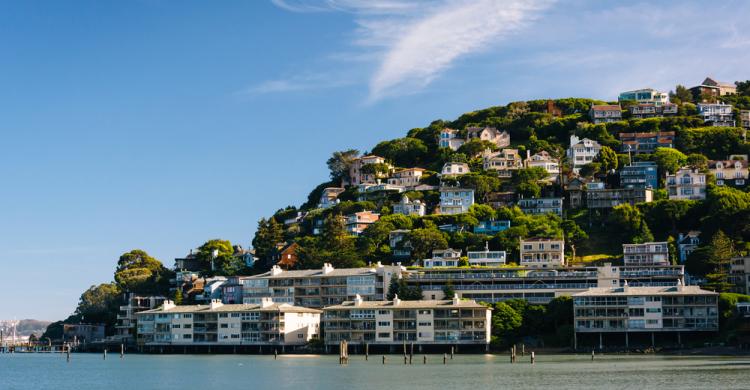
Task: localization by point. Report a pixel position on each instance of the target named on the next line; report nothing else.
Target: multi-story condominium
(357, 223)
(455, 200)
(648, 253)
(537, 286)
(126, 317)
(739, 274)
(646, 142)
(542, 252)
(716, 114)
(629, 310)
(491, 134)
(491, 227)
(733, 171)
(687, 183)
(543, 160)
(454, 322)
(399, 244)
(541, 205)
(408, 178)
(443, 258)
(687, 243)
(745, 118)
(605, 113)
(453, 169)
(648, 110)
(329, 197)
(640, 174)
(486, 258)
(449, 138)
(504, 162)
(358, 174)
(220, 324)
(598, 197)
(321, 287)
(409, 207)
(711, 87)
(646, 95)
(582, 152)
(85, 333)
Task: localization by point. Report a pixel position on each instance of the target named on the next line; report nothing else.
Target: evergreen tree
(448, 290)
(178, 296)
(721, 252)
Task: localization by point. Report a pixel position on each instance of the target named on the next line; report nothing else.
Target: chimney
(357, 300)
(379, 265)
(215, 304)
(456, 300)
(167, 305)
(327, 268)
(275, 270)
(396, 301)
(266, 301)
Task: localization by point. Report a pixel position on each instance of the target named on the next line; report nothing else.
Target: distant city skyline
(159, 125)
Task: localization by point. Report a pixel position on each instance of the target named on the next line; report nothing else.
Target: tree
(681, 95)
(267, 236)
(721, 252)
(139, 273)
(506, 323)
(573, 234)
(424, 241)
(448, 290)
(100, 304)
(697, 160)
(398, 287)
(628, 221)
(608, 159)
(339, 164)
(178, 296)
(404, 152)
(743, 87)
(475, 147)
(669, 159)
(213, 254)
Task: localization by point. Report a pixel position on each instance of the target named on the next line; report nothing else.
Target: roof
(423, 304)
(282, 307)
(727, 163)
(307, 273)
(637, 291)
(541, 239)
(606, 107)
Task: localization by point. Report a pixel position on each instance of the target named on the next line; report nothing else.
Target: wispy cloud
(302, 82)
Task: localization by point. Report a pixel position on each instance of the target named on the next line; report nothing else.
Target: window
(224, 326)
(235, 315)
(425, 312)
(175, 326)
(384, 323)
(188, 326)
(384, 335)
(223, 315)
(187, 336)
(425, 324)
(188, 315)
(300, 335)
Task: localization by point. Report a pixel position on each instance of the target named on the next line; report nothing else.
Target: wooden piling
(275, 354)
(367, 350)
(383, 359)
(424, 360)
(122, 351)
(523, 350)
(592, 355)
(445, 358)
(452, 352)
(68, 356)
(105, 354)
(533, 358)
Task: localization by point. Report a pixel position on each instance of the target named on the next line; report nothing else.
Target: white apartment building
(455, 321)
(716, 114)
(220, 324)
(409, 207)
(504, 162)
(490, 134)
(486, 258)
(542, 252)
(449, 138)
(453, 169)
(455, 200)
(443, 258)
(686, 183)
(648, 253)
(582, 152)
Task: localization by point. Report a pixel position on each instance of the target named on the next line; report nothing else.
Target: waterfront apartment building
(450, 138)
(648, 253)
(598, 197)
(541, 206)
(126, 317)
(542, 252)
(716, 114)
(732, 171)
(455, 200)
(220, 324)
(630, 310)
(409, 207)
(319, 287)
(504, 162)
(537, 286)
(443, 258)
(605, 113)
(686, 183)
(582, 152)
(426, 322)
(646, 142)
(640, 174)
(646, 95)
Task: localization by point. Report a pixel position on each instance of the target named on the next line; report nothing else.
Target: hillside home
(329, 197)
(500, 199)
(646, 95)
(408, 178)
(711, 87)
(357, 223)
(491, 227)
(582, 152)
(649, 110)
(543, 160)
(399, 244)
(409, 207)
(356, 174)
(640, 174)
(716, 114)
(450, 138)
(542, 252)
(605, 113)
(646, 142)
(443, 258)
(687, 243)
(733, 171)
(646, 254)
(686, 183)
(454, 169)
(504, 162)
(599, 197)
(745, 119)
(490, 134)
(739, 274)
(455, 200)
(486, 258)
(541, 205)
(576, 189)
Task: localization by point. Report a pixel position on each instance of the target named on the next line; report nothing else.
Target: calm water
(89, 371)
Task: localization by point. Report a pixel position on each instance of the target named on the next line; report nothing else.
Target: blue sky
(161, 124)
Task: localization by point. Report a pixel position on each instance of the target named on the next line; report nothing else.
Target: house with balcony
(407, 178)
(357, 223)
(650, 311)
(600, 197)
(648, 253)
(329, 197)
(125, 330)
(217, 324)
(686, 183)
(491, 227)
(545, 161)
(712, 87)
(443, 258)
(687, 243)
(398, 241)
(646, 142)
(645, 96)
(540, 252)
(409, 207)
(716, 114)
(605, 113)
(739, 274)
(732, 172)
(454, 200)
(536, 206)
(489, 134)
(639, 174)
(454, 169)
(650, 110)
(745, 119)
(465, 323)
(451, 139)
(504, 162)
(582, 152)
(368, 169)
(486, 258)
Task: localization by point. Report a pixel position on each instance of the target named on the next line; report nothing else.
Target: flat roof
(421, 304)
(224, 308)
(637, 291)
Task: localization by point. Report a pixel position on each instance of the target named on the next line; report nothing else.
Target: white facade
(582, 152)
(490, 134)
(504, 162)
(443, 258)
(454, 169)
(732, 171)
(716, 114)
(687, 184)
(486, 258)
(541, 205)
(648, 253)
(455, 200)
(408, 178)
(409, 207)
(545, 161)
(542, 253)
(449, 138)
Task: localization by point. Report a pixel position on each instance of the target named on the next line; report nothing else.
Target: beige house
(745, 118)
(453, 169)
(357, 223)
(687, 183)
(408, 177)
(504, 162)
(733, 171)
(648, 253)
(542, 252)
(543, 160)
(491, 134)
(356, 174)
(329, 197)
